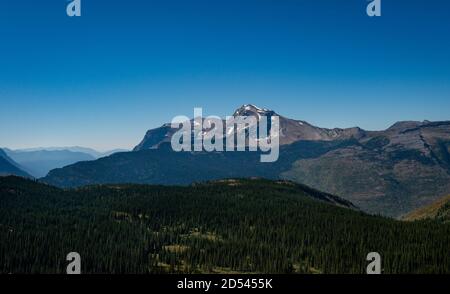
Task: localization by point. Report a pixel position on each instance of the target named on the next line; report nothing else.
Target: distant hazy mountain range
(39, 161)
(391, 172)
(9, 167)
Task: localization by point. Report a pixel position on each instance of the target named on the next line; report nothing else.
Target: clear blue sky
(126, 66)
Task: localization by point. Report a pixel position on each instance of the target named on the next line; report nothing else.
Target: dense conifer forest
(230, 226)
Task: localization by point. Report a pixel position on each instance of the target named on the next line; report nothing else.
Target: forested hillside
(439, 210)
(228, 226)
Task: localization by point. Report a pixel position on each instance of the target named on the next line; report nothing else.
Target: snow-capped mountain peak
(250, 109)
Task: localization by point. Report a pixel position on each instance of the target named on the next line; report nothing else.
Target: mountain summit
(250, 109)
(290, 130)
